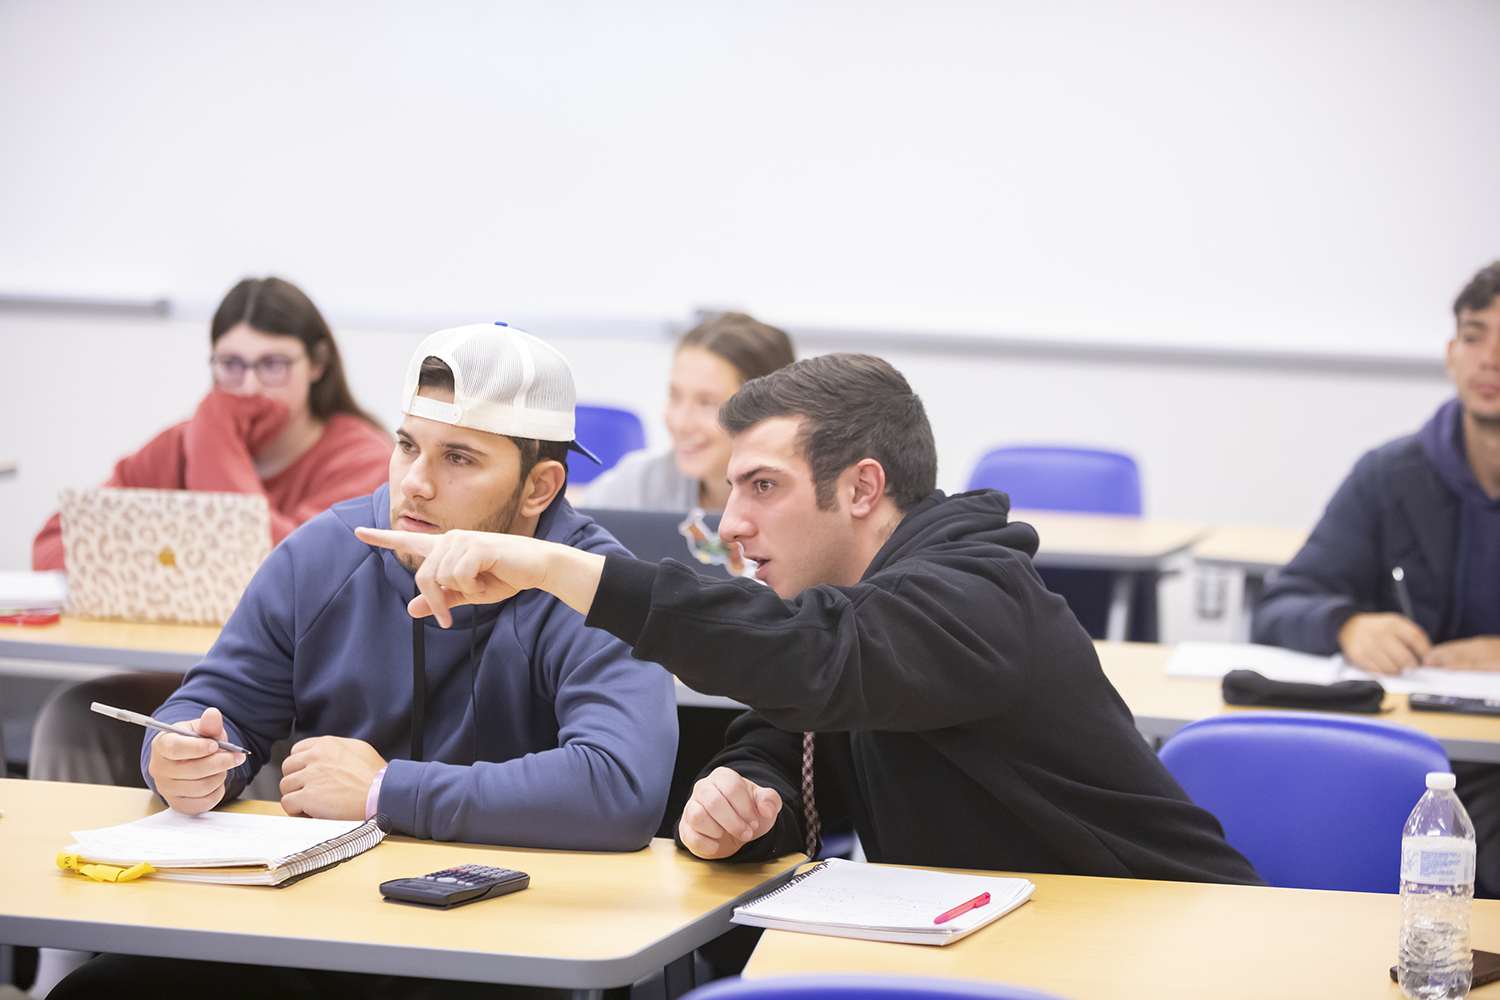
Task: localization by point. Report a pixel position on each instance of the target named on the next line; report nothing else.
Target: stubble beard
(500, 522)
(1489, 421)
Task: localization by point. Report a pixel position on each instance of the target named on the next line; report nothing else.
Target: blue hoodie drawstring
(419, 686)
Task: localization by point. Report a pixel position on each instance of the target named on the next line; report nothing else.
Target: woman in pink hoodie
(279, 421)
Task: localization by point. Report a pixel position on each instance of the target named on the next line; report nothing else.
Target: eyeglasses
(272, 370)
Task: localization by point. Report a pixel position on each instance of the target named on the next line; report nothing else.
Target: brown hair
(1480, 291)
(853, 407)
(281, 309)
(435, 374)
(752, 347)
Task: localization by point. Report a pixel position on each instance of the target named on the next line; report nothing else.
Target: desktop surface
(128, 645)
(588, 921)
(1133, 939)
(1162, 704)
(1252, 547)
(1107, 541)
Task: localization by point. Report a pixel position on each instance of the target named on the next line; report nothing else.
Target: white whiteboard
(1264, 174)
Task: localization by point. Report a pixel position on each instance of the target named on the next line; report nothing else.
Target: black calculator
(1448, 703)
(455, 886)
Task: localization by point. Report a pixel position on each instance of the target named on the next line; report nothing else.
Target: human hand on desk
(1482, 652)
(328, 777)
(726, 812)
(189, 773)
(1386, 643)
(484, 567)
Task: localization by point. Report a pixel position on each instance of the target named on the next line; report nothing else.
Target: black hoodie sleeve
(772, 758)
(837, 658)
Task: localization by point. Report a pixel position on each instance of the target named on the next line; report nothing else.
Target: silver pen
(145, 720)
(1399, 576)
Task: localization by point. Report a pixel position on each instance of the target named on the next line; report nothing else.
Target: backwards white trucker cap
(505, 381)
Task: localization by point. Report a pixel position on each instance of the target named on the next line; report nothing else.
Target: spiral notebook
(228, 848)
(882, 903)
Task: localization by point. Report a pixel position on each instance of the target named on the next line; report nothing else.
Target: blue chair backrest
(609, 433)
(1056, 478)
(1315, 801)
(861, 987)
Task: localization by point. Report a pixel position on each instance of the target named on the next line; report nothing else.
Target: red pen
(972, 904)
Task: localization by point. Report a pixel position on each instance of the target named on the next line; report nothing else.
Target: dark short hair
(853, 407)
(752, 347)
(278, 307)
(1480, 291)
(435, 374)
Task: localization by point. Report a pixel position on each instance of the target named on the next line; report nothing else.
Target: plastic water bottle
(1437, 887)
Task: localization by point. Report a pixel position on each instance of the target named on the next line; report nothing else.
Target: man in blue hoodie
(1430, 505)
(518, 726)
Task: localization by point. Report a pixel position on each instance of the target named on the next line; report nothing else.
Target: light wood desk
(589, 921)
(1162, 705)
(126, 645)
(1124, 546)
(1123, 939)
(1256, 550)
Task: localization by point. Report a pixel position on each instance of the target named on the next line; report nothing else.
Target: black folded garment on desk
(1246, 687)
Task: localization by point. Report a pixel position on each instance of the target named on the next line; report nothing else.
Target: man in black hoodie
(906, 667)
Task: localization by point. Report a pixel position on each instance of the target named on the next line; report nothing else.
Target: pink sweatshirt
(212, 453)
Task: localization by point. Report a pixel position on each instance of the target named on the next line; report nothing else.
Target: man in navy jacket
(1430, 505)
(521, 726)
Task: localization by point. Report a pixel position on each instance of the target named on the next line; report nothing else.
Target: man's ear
(542, 484)
(866, 479)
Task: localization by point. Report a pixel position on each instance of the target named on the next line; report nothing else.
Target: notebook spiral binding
(789, 883)
(330, 852)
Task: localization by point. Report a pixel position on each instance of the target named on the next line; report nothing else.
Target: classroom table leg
(679, 977)
(1255, 585)
(1122, 592)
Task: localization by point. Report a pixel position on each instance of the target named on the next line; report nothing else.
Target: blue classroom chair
(1060, 478)
(1086, 480)
(609, 433)
(1314, 800)
(862, 987)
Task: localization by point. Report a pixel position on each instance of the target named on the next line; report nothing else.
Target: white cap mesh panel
(505, 381)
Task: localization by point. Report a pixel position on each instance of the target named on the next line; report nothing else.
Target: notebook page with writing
(242, 848)
(877, 902)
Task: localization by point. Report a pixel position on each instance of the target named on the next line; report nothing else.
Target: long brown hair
(280, 308)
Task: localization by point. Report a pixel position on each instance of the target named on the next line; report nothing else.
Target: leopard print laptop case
(161, 555)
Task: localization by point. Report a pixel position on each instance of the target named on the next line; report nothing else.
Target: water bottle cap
(1442, 780)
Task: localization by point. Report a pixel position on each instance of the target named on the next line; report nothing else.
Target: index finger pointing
(411, 542)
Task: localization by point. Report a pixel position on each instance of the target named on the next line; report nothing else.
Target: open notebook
(230, 848)
(880, 903)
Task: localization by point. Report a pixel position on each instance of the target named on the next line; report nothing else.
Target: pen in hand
(1398, 575)
(145, 720)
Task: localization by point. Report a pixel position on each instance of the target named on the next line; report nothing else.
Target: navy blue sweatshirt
(551, 736)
